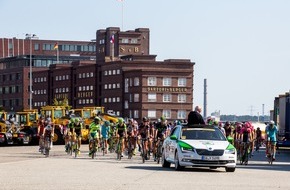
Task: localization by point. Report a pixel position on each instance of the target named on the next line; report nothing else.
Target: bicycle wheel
(129, 149)
(103, 147)
(143, 152)
(76, 149)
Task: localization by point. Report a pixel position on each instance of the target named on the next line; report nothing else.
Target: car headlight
(185, 148)
(230, 149)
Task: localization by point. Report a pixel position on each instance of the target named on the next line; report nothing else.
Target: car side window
(175, 131)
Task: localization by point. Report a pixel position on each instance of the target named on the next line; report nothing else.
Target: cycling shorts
(272, 140)
(78, 132)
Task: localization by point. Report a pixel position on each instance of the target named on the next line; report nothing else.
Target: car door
(173, 143)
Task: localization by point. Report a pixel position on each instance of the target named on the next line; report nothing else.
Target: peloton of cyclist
(121, 132)
(272, 136)
(95, 133)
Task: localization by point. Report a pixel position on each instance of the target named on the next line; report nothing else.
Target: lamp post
(30, 37)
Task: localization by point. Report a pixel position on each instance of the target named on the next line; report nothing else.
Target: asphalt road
(22, 167)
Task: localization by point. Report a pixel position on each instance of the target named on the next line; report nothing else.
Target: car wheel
(230, 169)
(164, 163)
(176, 161)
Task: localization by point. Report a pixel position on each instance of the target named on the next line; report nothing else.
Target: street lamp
(30, 37)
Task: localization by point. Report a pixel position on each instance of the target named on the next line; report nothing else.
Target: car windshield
(202, 134)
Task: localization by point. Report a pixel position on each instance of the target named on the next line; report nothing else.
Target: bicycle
(244, 156)
(47, 145)
(103, 146)
(119, 148)
(130, 150)
(159, 151)
(270, 155)
(112, 144)
(93, 148)
(143, 150)
(76, 147)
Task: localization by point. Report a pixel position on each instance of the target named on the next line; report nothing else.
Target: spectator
(194, 117)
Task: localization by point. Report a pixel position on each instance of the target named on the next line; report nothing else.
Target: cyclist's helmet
(162, 118)
(49, 127)
(216, 123)
(97, 119)
(120, 120)
(145, 119)
(271, 122)
(72, 120)
(227, 123)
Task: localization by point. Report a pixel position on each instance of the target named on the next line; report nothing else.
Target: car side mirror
(173, 137)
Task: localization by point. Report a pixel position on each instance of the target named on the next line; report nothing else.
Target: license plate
(15, 135)
(210, 158)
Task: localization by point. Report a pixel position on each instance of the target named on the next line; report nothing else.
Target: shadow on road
(160, 168)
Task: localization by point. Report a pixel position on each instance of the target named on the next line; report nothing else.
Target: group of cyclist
(245, 137)
(110, 133)
(150, 134)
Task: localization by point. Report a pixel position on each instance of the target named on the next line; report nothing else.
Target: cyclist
(70, 129)
(131, 130)
(143, 133)
(94, 133)
(105, 134)
(245, 137)
(40, 130)
(112, 136)
(121, 131)
(77, 129)
(161, 131)
(272, 136)
(48, 132)
(258, 138)
(228, 129)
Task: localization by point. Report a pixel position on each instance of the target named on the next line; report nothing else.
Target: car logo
(210, 149)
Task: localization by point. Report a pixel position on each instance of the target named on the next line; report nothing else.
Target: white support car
(198, 146)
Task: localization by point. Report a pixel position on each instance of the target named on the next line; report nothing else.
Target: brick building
(123, 77)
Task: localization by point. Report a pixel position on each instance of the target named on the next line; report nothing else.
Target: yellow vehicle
(27, 120)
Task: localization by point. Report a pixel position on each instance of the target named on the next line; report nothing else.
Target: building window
(126, 85)
(91, 74)
(114, 72)
(166, 81)
(136, 97)
(118, 71)
(125, 40)
(181, 98)
(114, 99)
(91, 87)
(80, 88)
(167, 114)
(181, 114)
(166, 97)
(109, 100)
(118, 85)
(36, 47)
(136, 81)
(118, 99)
(136, 113)
(134, 41)
(105, 86)
(152, 113)
(109, 86)
(56, 78)
(152, 97)
(80, 75)
(126, 104)
(181, 81)
(84, 88)
(131, 83)
(105, 73)
(110, 72)
(151, 81)
(105, 100)
(114, 86)
(84, 75)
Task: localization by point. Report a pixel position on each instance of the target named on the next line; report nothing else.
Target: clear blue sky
(242, 47)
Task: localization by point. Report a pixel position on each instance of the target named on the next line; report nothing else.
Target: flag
(55, 46)
(112, 39)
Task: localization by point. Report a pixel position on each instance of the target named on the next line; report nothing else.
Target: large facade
(123, 77)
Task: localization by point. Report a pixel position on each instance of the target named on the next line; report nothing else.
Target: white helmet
(49, 127)
(272, 122)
